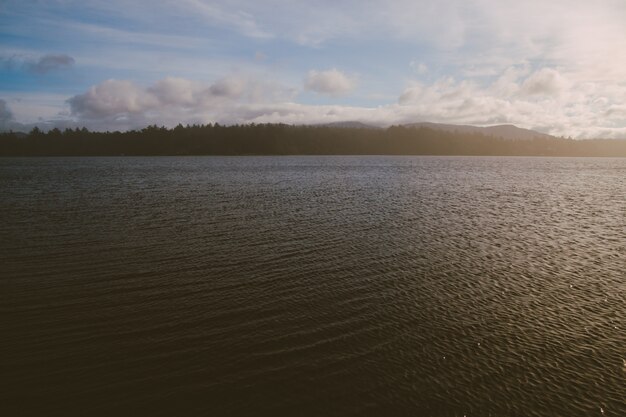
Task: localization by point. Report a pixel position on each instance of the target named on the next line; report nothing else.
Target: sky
(557, 66)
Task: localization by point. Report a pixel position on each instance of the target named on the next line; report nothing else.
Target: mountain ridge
(348, 124)
(505, 131)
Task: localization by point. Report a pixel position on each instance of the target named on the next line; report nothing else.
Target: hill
(348, 125)
(509, 132)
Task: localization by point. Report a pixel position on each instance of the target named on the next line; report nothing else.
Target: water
(313, 286)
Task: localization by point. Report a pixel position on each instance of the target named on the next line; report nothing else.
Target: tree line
(282, 139)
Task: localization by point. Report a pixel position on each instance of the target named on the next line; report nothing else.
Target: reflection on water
(313, 286)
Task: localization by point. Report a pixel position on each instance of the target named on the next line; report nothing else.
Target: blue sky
(558, 67)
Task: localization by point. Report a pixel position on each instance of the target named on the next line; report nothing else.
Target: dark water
(313, 286)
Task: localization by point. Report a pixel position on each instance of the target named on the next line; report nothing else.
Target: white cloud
(543, 100)
(419, 67)
(231, 87)
(175, 91)
(556, 65)
(579, 110)
(6, 116)
(617, 110)
(122, 104)
(111, 98)
(236, 17)
(507, 83)
(331, 82)
(546, 81)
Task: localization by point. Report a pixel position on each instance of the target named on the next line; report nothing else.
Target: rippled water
(313, 286)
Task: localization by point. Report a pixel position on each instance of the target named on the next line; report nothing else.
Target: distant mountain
(349, 124)
(509, 132)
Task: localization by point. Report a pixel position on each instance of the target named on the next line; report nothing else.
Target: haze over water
(313, 286)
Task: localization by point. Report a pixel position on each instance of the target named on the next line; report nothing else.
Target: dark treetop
(281, 139)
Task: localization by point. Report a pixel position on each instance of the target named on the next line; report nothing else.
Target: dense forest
(281, 139)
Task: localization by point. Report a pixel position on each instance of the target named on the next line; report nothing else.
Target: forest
(282, 139)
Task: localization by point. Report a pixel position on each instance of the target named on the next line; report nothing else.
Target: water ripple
(335, 286)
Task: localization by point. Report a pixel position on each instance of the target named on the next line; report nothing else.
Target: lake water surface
(313, 286)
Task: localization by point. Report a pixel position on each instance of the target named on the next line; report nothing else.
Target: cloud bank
(544, 100)
(123, 104)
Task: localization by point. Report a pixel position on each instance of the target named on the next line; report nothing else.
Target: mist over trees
(281, 139)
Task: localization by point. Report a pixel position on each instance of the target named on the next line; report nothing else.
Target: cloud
(231, 87)
(44, 64)
(616, 110)
(507, 83)
(122, 104)
(238, 17)
(331, 82)
(174, 91)
(546, 81)
(556, 65)
(6, 116)
(119, 104)
(112, 98)
(543, 100)
(5, 113)
(419, 67)
(49, 63)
